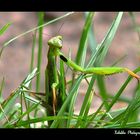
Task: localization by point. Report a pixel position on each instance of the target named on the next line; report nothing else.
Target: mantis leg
(54, 85)
(97, 70)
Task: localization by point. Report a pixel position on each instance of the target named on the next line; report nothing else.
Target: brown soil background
(15, 60)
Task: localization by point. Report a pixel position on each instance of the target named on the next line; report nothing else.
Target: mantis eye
(59, 37)
(59, 43)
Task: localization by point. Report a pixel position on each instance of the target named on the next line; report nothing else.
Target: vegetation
(26, 108)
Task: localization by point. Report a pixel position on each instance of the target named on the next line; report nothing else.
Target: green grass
(30, 111)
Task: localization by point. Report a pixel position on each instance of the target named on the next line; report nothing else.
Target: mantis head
(55, 42)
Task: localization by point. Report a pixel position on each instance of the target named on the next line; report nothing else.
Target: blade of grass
(132, 16)
(85, 116)
(121, 98)
(1, 88)
(92, 40)
(1, 108)
(32, 61)
(116, 113)
(103, 47)
(81, 55)
(102, 89)
(107, 40)
(15, 122)
(2, 31)
(39, 58)
(42, 119)
(36, 28)
(10, 101)
(129, 112)
(26, 105)
(94, 114)
(118, 60)
(4, 28)
(114, 100)
(128, 125)
(84, 104)
(100, 58)
(32, 54)
(33, 29)
(65, 104)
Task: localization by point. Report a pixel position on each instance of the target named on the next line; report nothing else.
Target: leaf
(1, 88)
(7, 105)
(4, 28)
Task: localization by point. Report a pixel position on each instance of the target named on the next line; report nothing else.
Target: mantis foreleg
(97, 70)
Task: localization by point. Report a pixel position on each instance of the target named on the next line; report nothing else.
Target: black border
(69, 5)
(68, 133)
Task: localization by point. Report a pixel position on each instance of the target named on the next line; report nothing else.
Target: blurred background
(15, 60)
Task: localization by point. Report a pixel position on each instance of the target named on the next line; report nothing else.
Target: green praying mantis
(52, 77)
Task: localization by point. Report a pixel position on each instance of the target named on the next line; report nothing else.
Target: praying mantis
(52, 77)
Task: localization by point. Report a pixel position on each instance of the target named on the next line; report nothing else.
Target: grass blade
(32, 54)
(100, 58)
(92, 40)
(1, 88)
(65, 104)
(36, 28)
(132, 16)
(80, 57)
(114, 100)
(4, 28)
(87, 96)
(39, 58)
(10, 101)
